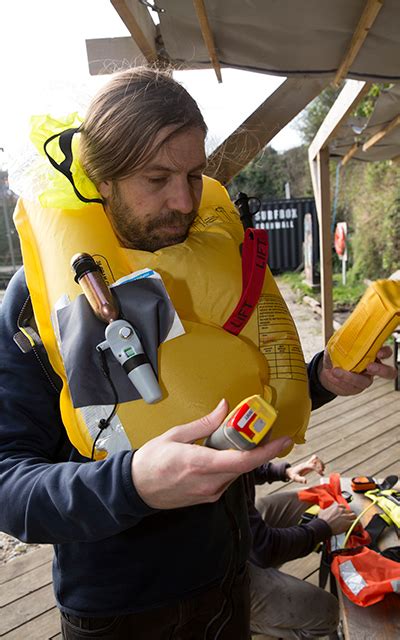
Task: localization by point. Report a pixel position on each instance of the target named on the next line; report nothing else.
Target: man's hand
(347, 383)
(338, 517)
(170, 471)
(300, 470)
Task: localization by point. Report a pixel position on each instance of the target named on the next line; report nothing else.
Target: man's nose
(181, 197)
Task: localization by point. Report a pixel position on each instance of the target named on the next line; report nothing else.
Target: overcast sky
(45, 70)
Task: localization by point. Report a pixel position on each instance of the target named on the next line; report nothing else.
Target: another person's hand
(338, 517)
(170, 471)
(347, 383)
(298, 471)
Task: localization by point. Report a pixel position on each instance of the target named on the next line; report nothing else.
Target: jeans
(212, 615)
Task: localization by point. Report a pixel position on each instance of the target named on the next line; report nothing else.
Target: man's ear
(105, 189)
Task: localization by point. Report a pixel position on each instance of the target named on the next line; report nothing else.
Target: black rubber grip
(134, 362)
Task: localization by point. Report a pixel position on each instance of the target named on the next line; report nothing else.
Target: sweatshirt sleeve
(49, 493)
(319, 395)
(271, 472)
(272, 546)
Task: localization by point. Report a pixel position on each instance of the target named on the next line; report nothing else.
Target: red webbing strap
(254, 264)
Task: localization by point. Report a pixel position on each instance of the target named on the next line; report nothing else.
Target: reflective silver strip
(337, 541)
(353, 580)
(396, 585)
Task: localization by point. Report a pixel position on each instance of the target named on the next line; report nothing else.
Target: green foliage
(263, 177)
(313, 116)
(345, 297)
(366, 106)
(266, 175)
(371, 192)
(391, 233)
(296, 282)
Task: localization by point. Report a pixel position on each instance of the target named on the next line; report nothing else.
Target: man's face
(156, 206)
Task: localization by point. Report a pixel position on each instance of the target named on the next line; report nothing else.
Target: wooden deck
(355, 435)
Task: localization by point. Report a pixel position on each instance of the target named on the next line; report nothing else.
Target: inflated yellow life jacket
(203, 277)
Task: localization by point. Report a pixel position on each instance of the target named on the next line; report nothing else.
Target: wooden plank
(25, 563)
(15, 614)
(368, 17)
(377, 137)
(349, 441)
(24, 584)
(336, 430)
(347, 403)
(351, 94)
(137, 20)
(325, 242)
(372, 456)
(391, 469)
(44, 627)
(351, 152)
(208, 37)
(261, 126)
(381, 621)
(352, 421)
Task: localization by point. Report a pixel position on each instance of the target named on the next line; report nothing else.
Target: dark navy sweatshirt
(113, 553)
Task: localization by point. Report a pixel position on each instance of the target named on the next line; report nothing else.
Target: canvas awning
(358, 133)
(292, 38)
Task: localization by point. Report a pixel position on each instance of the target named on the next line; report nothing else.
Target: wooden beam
(262, 125)
(350, 154)
(207, 36)
(323, 202)
(382, 133)
(136, 18)
(351, 94)
(367, 19)
(396, 160)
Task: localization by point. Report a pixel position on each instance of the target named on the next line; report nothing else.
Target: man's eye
(157, 179)
(196, 176)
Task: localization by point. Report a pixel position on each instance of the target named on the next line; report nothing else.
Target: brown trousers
(283, 606)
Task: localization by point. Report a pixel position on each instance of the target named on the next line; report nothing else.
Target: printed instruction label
(278, 339)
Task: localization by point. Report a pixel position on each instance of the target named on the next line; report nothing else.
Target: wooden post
(318, 157)
(323, 202)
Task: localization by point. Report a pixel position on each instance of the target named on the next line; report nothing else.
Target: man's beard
(147, 233)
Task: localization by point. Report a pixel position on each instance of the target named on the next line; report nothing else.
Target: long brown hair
(125, 117)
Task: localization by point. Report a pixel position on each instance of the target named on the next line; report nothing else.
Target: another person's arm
(272, 546)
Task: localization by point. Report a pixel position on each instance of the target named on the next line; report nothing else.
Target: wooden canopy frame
(367, 19)
(208, 37)
(318, 157)
(261, 126)
(273, 114)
